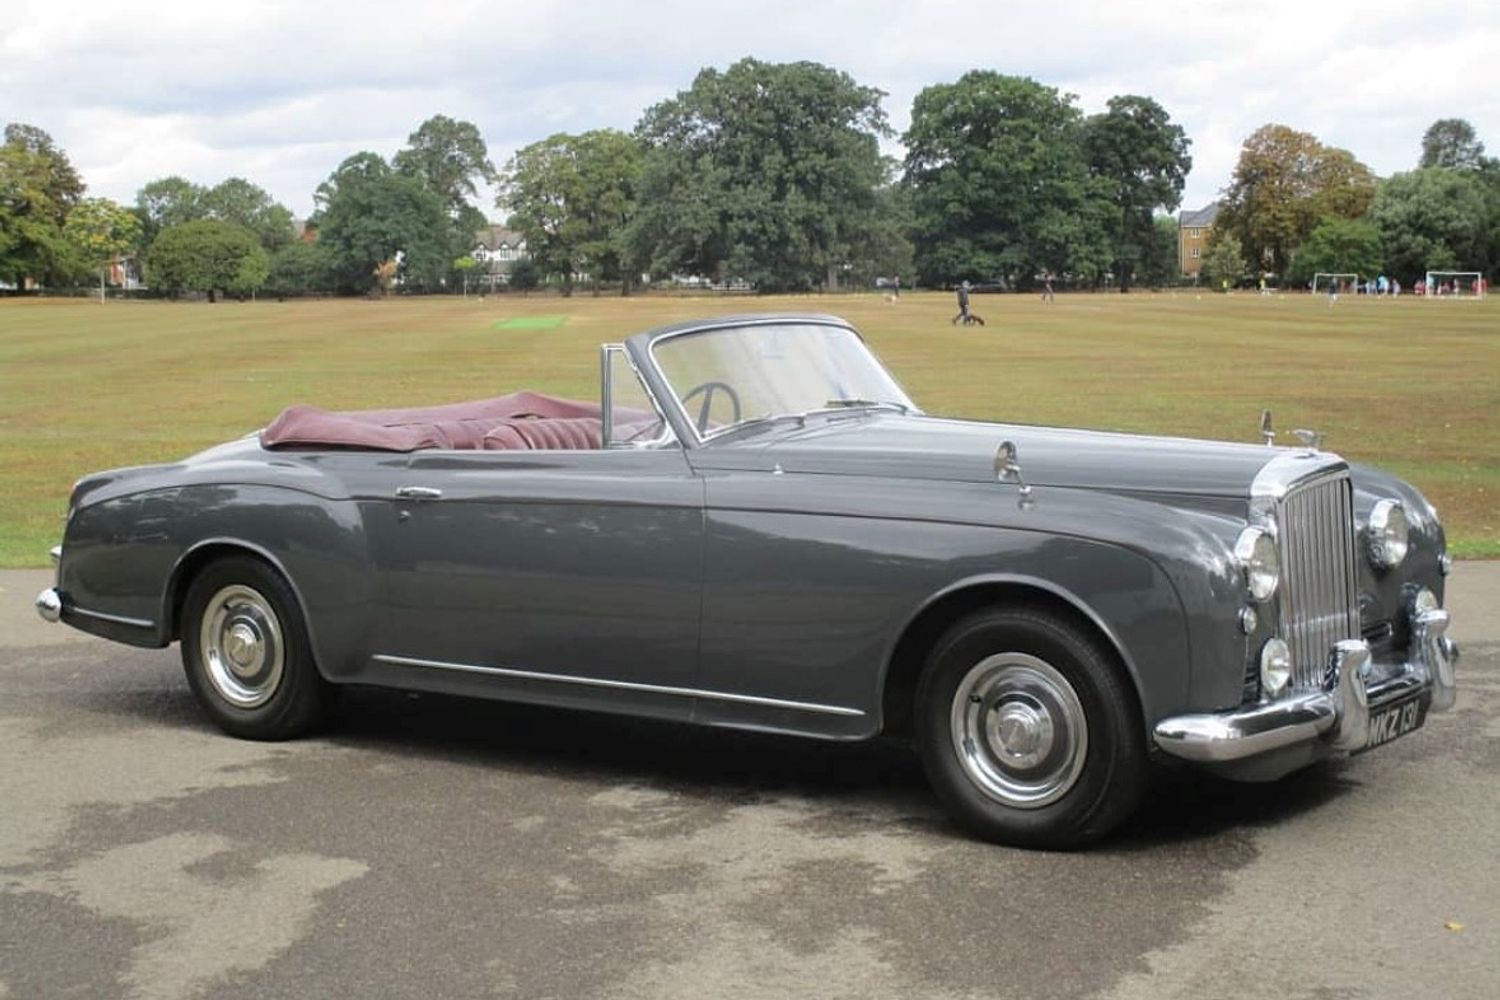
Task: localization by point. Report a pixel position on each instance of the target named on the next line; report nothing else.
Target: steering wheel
(707, 390)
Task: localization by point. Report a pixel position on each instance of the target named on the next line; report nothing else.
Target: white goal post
(1346, 282)
(1456, 284)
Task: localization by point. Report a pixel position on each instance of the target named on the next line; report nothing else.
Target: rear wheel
(1027, 730)
(246, 654)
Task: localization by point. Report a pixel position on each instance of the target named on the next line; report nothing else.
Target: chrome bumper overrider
(1339, 715)
(49, 604)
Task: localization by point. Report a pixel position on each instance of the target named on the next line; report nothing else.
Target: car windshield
(739, 375)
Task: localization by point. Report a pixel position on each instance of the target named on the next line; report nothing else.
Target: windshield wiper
(834, 404)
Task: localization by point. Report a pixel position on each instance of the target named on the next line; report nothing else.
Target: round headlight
(1388, 534)
(1256, 551)
(1275, 667)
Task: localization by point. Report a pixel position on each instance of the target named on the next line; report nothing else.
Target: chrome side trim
(533, 675)
(116, 619)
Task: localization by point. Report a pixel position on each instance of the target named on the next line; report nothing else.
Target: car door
(565, 576)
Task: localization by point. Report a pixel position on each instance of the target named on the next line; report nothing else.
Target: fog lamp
(1275, 667)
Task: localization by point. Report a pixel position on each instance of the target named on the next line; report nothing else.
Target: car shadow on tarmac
(882, 778)
(737, 766)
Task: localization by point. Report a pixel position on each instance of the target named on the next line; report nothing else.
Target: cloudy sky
(280, 92)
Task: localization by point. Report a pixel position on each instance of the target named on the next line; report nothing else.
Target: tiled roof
(491, 237)
(1203, 217)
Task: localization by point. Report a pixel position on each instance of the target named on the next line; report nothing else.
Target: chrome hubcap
(1019, 730)
(240, 641)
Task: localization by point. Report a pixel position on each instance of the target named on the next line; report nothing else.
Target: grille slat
(1317, 598)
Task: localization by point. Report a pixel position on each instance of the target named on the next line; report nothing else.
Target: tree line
(1295, 207)
(773, 174)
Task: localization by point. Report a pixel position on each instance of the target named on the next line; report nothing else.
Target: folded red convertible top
(454, 425)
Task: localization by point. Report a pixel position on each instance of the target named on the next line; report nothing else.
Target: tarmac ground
(435, 847)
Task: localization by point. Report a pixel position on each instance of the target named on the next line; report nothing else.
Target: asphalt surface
(439, 848)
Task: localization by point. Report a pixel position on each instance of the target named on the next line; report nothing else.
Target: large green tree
(172, 201)
(763, 171)
(167, 202)
(1142, 158)
(371, 217)
(572, 197)
(239, 201)
(1433, 219)
(1452, 143)
(207, 255)
(1337, 246)
(1284, 184)
(449, 157)
(102, 231)
(1000, 185)
(302, 269)
(38, 188)
(1158, 264)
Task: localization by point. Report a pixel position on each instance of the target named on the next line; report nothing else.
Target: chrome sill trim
(74, 609)
(532, 675)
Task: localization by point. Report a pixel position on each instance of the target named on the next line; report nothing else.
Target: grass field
(1411, 385)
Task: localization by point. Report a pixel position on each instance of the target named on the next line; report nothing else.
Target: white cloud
(280, 92)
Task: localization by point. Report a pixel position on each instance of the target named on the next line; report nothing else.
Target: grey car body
(793, 575)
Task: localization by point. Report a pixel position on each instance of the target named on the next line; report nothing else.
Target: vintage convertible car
(757, 528)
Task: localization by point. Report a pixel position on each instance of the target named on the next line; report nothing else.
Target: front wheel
(246, 654)
(1027, 730)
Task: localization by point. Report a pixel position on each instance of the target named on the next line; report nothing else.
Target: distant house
(497, 248)
(1193, 230)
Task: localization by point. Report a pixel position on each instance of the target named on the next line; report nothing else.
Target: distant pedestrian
(1333, 291)
(1047, 294)
(896, 287)
(967, 317)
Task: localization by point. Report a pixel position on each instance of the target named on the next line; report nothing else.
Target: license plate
(1395, 721)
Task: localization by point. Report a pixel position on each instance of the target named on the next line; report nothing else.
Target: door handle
(418, 493)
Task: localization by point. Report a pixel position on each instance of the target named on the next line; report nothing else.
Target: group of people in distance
(1453, 287)
(1390, 286)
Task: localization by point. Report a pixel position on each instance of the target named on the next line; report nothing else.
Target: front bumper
(1292, 731)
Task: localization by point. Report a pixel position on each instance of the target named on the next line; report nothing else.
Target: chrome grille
(1319, 598)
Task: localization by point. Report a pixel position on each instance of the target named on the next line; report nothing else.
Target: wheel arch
(903, 667)
(201, 554)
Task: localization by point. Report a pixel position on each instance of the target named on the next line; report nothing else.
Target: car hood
(920, 447)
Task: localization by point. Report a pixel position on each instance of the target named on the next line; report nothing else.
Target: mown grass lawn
(1411, 385)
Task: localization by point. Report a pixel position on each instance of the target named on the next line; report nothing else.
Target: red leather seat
(554, 434)
(561, 433)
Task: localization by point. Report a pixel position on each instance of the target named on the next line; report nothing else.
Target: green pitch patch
(544, 322)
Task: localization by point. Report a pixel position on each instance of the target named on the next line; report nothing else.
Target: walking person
(1047, 294)
(967, 317)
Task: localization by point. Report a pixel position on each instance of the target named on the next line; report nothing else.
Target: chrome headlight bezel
(1389, 534)
(1260, 563)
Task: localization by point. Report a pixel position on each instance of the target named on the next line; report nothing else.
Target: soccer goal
(1456, 284)
(1343, 282)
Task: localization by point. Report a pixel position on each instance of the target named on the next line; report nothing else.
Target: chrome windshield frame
(687, 430)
